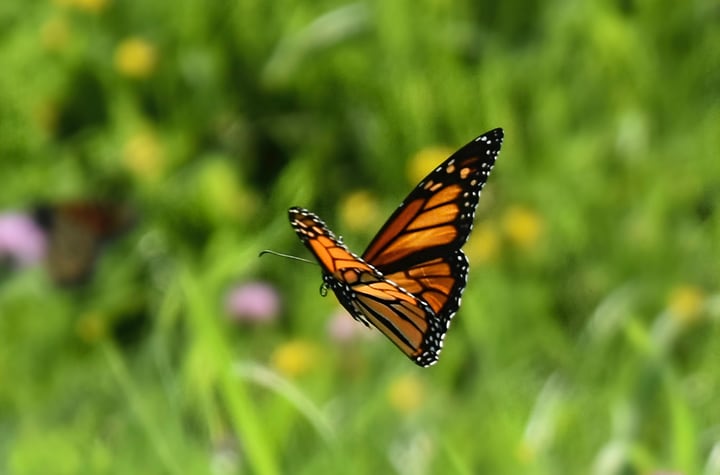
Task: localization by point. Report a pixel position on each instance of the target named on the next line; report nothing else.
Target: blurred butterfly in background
(76, 232)
(409, 281)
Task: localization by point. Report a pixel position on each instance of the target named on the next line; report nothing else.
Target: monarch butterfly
(409, 280)
(76, 233)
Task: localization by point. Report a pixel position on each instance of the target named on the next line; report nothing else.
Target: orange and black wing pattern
(409, 281)
(370, 298)
(418, 248)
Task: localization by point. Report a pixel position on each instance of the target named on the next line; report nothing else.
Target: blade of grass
(144, 414)
(271, 380)
(245, 415)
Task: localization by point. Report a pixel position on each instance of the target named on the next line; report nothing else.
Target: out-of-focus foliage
(589, 336)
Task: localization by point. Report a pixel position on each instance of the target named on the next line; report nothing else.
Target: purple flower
(21, 239)
(253, 302)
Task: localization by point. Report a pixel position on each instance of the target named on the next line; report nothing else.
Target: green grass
(589, 335)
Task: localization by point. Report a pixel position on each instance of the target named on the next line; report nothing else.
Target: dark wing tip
(494, 135)
(296, 213)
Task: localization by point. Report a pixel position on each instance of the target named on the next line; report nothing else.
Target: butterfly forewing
(333, 256)
(436, 218)
(409, 281)
(419, 246)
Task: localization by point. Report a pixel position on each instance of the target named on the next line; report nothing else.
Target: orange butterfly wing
(410, 279)
(366, 294)
(418, 248)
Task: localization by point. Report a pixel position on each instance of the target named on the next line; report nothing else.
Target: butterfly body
(409, 281)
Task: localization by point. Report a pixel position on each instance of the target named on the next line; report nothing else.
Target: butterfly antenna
(288, 256)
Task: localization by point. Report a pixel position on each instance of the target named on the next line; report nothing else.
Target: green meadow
(150, 150)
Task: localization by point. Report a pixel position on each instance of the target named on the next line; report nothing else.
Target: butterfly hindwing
(439, 282)
(402, 317)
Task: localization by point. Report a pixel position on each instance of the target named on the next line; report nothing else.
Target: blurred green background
(165, 141)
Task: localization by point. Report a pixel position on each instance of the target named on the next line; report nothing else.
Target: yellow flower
(295, 358)
(484, 243)
(425, 161)
(91, 328)
(406, 394)
(522, 226)
(685, 303)
(55, 34)
(135, 58)
(144, 156)
(359, 211)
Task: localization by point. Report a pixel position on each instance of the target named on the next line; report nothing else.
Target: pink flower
(21, 239)
(343, 328)
(253, 302)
